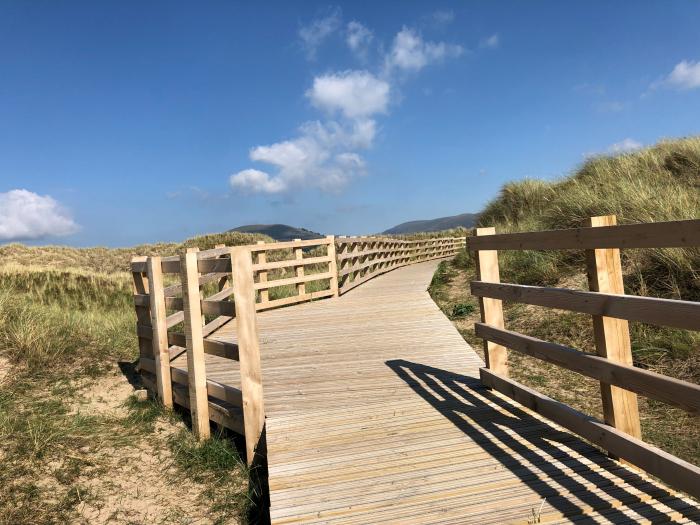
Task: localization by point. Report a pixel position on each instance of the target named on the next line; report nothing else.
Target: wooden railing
(361, 258)
(180, 317)
(620, 381)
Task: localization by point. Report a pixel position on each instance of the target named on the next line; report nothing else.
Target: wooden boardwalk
(375, 413)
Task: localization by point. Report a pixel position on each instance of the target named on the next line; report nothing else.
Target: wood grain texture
(612, 335)
(248, 349)
(197, 377)
(652, 310)
(487, 270)
(376, 414)
(674, 234)
(160, 331)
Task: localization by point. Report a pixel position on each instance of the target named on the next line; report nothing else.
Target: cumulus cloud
(24, 215)
(411, 53)
(624, 146)
(359, 39)
(354, 93)
(490, 42)
(685, 75)
(326, 154)
(313, 34)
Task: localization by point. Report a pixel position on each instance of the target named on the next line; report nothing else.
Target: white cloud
(322, 156)
(443, 16)
(359, 38)
(354, 93)
(624, 146)
(313, 35)
(490, 42)
(686, 75)
(24, 215)
(410, 52)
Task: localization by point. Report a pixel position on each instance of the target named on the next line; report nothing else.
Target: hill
(465, 220)
(279, 232)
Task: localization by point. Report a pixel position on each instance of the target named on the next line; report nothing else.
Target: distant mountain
(279, 232)
(467, 220)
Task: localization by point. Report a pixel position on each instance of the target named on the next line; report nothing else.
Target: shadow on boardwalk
(548, 460)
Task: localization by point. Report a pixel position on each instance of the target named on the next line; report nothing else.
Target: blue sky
(128, 122)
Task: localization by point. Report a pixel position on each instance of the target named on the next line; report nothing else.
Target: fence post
(612, 336)
(223, 282)
(333, 266)
(496, 356)
(196, 371)
(299, 255)
(262, 275)
(143, 316)
(248, 350)
(156, 296)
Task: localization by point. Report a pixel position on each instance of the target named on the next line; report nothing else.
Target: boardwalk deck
(375, 413)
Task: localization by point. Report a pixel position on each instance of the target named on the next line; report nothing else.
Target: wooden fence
(620, 380)
(361, 258)
(212, 287)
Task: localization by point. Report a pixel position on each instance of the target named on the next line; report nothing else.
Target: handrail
(247, 279)
(611, 310)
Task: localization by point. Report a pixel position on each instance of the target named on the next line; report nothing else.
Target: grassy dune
(67, 319)
(660, 183)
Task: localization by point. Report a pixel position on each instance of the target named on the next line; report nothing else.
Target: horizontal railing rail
(209, 288)
(620, 380)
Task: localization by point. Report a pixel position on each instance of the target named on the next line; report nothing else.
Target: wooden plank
(143, 315)
(674, 234)
(262, 275)
(333, 265)
(219, 348)
(673, 391)
(293, 299)
(160, 331)
(249, 350)
(287, 245)
(487, 270)
(651, 310)
(612, 336)
(674, 471)
(299, 255)
(199, 404)
(292, 280)
(290, 263)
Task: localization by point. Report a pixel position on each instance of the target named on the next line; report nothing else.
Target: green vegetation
(73, 445)
(660, 183)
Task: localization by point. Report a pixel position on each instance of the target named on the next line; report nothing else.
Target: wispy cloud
(411, 53)
(313, 34)
(685, 75)
(25, 215)
(443, 16)
(624, 146)
(359, 39)
(490, 42)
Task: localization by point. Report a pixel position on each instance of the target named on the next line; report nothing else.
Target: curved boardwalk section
(375, 413)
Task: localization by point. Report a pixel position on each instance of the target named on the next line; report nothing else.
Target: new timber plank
(376, 414)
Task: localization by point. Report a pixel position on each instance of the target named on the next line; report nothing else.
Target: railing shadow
(527, 446)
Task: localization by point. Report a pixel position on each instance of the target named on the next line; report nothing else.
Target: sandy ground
(137, 483)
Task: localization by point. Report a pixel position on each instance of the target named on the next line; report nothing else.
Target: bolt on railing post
(612, 336)
(496, 356)
(248, 351)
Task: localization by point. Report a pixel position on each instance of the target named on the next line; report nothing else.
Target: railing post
(223, 282)
(248, 350)
(262, 275)
(299, 255)
(333, 266)
(612, 337)
(196, 371)
(487, 270)
(143, 316)
(156, 296)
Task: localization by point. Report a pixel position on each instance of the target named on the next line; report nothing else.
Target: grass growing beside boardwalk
(74, 446)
